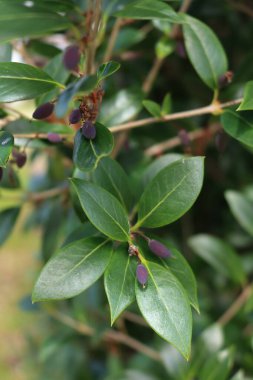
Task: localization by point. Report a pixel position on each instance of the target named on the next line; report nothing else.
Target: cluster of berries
(159, 250)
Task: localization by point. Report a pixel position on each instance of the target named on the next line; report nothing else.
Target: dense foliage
(141, 123)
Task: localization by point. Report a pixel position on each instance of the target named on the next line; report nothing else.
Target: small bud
(75, 116)
(89, 130)
(159, 249)
(20, 159)
(71, 57)
(1, 173)
(225, 79)
(54, 137)
(43, 111)
(141, 274)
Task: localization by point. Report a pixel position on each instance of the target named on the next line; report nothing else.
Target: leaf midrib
(122, 286)
(33, 79)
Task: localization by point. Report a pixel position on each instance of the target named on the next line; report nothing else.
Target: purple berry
(20, 159)
(54, 137)
(71, 57)
(159, 249)
(75, 116)
(43, 111)
(141, 274)
(89, 130)
(1, 173)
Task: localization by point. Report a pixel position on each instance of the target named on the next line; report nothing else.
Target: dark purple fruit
(54, 137)
(1, 173)
(20, 159)
(43, 111)
(71, 57)
(159, 249)
(142, 274)
(89, 130)
(75, 116)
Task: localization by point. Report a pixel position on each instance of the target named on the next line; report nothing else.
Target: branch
(91, 51)
(236, 305)
(112, 40)
(108, 335)
(43, 195)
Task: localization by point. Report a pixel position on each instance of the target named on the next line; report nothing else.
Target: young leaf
(219, 255)
(166, 105)
(87, 153)
(6, 145)
(19, 81)
(171, 193)
(103, 210)
(205, 51)
(119, 281)
(242, 209)
(73, 269)
(165, 306)
(164, 47)
(107, 69)
(110, 175)
(8, 219)
(247, 103)
(237, 127)
(148, 10)
(152, 107)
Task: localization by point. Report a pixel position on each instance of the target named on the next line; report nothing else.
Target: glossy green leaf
(5, 52)
(103, 210)
(6, 145)
(88, 153)
(220, 255)
(24, 126)
(73, 269)
(8, 219)
(110, 175)
(18, 21)
(165, 306)
(121, 107)
(158, 164)
(152, 107)
(247, 103)
(82, 85)
(242, 209)
(171, 193)
(205, 51)
(120, 281)
(148, 10)
(107, 69)
(19, 81)
(237, 127)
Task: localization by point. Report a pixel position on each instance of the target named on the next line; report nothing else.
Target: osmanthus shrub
(113, 220)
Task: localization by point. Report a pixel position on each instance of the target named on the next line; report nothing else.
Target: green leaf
(164, 47)
(73, 269)
(82, 85)
(148, 10)
(247, 103)
(88, 153)
(119, 281)
(24, 126)
(220, 255)
(165, 306)
(5, 52)
(205, 51)
(121, 107)
(6, 145)
(171, 193)
(19, 81)
(107, 69)
(152, 107)
(217, 366)
(242, 209)
(110, 175)
(166, 105)
(8, 219)
(103, 210)
(237, 127)
(158, 164)
(18, 21)
(127, 37)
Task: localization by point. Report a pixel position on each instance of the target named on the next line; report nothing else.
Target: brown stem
(150, 78)
(91, 51)
(112, 40)
(236, 306)
(43, 195)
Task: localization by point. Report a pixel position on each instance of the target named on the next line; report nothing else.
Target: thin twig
(111, 334)
(91, 51)
(159, 148)
(43, 195)
(150, 78)
(112, 40)
(236, 306)
(134, 318)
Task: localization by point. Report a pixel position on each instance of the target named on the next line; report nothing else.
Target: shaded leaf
(8, 219)
(242, 209)
(237, 127)
(6, 145)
